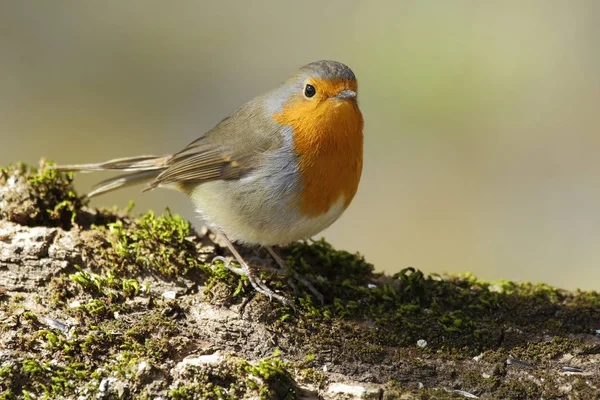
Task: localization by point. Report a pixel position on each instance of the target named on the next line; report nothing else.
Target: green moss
(32, 379)
(45, 197)
(164, 246)
(107, 285)
(339, 269)
(18, 297)
(369, 322)
(30, 316)
(312, 376)
(395, 391)
(150, 323)
(460, 315)
(154, 244)
(235, 379)
(275, 382)
(534, 353)
(89, 354)
(38, 197)
(61, 289)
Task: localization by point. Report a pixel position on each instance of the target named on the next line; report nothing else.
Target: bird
(281, 168)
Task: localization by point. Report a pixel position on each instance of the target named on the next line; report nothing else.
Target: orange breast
(328, 140)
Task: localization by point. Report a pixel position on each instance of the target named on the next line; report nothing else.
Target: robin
(281, 168)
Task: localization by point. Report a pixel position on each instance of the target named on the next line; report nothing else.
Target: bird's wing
(232, 148)
(201, 163)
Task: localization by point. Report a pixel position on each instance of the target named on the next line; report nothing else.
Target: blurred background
(482, 119)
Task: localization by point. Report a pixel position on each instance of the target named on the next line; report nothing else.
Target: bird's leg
(235, 270)
(300, 278)
(261, 261)
(279, 271)
(245, 270)
(254, 280)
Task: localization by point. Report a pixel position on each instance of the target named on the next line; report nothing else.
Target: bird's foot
(286, 269)
(255, 281)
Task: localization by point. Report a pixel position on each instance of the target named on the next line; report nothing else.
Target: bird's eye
(309, 91)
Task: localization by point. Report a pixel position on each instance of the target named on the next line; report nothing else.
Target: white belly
(252, 212)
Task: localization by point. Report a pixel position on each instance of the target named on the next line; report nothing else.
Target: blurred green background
(481, 118)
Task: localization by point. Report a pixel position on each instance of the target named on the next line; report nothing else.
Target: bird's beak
(346, 94)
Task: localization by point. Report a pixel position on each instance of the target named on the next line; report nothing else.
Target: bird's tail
(141, 169)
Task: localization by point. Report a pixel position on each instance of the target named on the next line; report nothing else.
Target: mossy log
(98, 303)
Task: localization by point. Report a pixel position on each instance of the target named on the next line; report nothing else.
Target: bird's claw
(255, 281)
